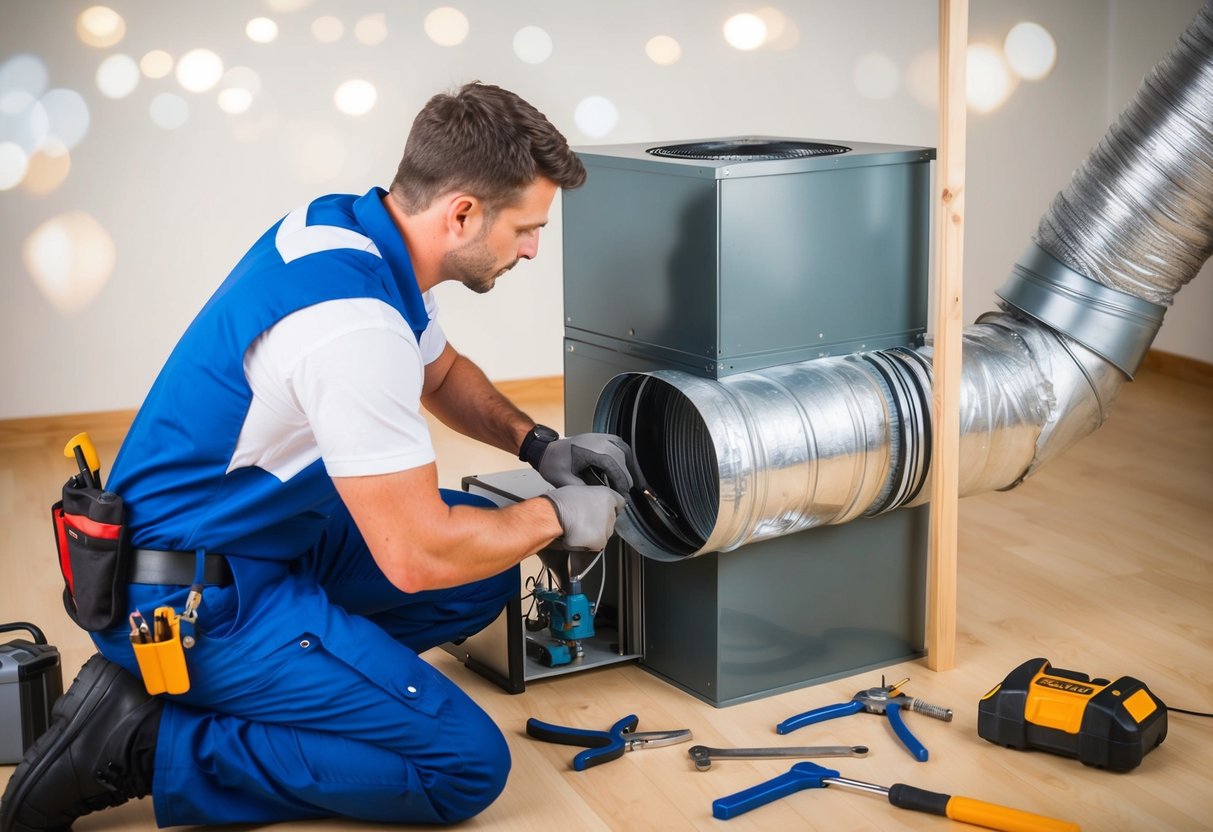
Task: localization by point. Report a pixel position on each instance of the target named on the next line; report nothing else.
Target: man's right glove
(571, 460)
(587, 514)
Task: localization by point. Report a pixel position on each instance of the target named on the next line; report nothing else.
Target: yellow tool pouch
(160, 653)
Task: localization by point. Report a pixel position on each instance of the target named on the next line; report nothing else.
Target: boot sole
(70, 712)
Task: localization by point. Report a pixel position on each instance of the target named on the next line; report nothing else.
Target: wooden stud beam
(949, 325)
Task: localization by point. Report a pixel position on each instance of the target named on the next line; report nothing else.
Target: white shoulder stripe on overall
(295, 238)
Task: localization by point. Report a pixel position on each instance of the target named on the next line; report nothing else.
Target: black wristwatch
(535, 443)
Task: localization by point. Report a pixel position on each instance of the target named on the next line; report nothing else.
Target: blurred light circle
(24, 122)
(988, 82)
(327, 29)
(47, 171)
(13, 164)
(355, 97)
(876, 76)
(22, 79)
(235, 100)
(70, 257)
(371, 29)
(663, 50)
(241, 77)
(532, 45)
(775, 24)
(67, 118)
(261, 30)
(745, 31)
(199, 70)
(446, 26)
(169, 110)
(117, 76)
(156, 64)
(100, 26)
(287, 6)
(1030, 50)
(596, 116)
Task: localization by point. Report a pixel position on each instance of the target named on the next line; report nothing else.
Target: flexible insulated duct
(776, 451)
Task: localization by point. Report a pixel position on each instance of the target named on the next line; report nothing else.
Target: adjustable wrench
(703, 756)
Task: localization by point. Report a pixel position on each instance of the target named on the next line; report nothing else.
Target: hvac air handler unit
(716, 259)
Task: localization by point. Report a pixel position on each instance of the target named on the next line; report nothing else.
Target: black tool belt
(154, 566)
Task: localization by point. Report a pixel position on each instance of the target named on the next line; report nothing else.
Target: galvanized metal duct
(776, 451)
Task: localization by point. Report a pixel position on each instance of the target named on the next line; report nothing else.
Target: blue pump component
(570, 617)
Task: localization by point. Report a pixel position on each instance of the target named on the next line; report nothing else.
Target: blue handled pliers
(887, 700)
(604, 746)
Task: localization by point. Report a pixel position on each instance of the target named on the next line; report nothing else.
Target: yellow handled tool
(964, 809)
(80, 448)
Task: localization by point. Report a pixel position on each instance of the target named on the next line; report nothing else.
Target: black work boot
(99, 751)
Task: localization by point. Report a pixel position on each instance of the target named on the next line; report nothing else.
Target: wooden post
(949, 324)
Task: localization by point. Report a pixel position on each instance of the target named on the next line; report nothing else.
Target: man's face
(509, 236)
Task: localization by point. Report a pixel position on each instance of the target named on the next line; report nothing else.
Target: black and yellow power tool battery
(1105, 724)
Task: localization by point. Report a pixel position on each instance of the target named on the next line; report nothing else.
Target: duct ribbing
(777, 451)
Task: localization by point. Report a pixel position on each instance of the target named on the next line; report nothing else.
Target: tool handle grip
(976, 812)
(563, 735)
(818, 715)
(801, 776)
(893, 710)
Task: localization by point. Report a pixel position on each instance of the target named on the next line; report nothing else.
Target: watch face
(545, 434)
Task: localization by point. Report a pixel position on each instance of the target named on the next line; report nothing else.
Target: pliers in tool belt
(887, 700)
(604, 746)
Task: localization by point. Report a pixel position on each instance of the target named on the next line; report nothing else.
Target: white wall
(181, 206)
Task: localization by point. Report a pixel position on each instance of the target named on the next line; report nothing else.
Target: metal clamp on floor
(155, 566)
(1113, 324)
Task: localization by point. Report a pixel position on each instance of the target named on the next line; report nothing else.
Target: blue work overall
(307, 695)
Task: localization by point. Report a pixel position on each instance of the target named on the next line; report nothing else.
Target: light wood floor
(1102, 563)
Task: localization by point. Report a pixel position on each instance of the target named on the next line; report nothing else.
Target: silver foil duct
(788, 448)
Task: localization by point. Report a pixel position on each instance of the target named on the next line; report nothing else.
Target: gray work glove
(587, 515)
(572, 460)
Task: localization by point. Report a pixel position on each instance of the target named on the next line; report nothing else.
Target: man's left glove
(575, 459)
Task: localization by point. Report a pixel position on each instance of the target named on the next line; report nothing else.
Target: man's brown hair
(485, 140)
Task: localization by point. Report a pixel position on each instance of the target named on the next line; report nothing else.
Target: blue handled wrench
(887, 700)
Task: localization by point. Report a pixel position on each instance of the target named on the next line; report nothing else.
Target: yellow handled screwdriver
(80, 448)
(963, 809)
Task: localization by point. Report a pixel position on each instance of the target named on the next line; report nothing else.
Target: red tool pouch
(90, 536)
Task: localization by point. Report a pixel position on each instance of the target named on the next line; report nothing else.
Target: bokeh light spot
(22, 79)
(596, 116)
(235, 100)
(371, 29)
(13, 164)
(532, 45)
(745, 31)
(46, 172)
(100, 26)
(446, 26)
(327, 29)
(117, 76)
(71, 258)
(355, 97)
(261, 30)
(1030, 50)
(876, 76)
(988, 81)
(169, 111)
(663, 50)
(156, 64)
(287, 6)
(67, 119)
(199, 70)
